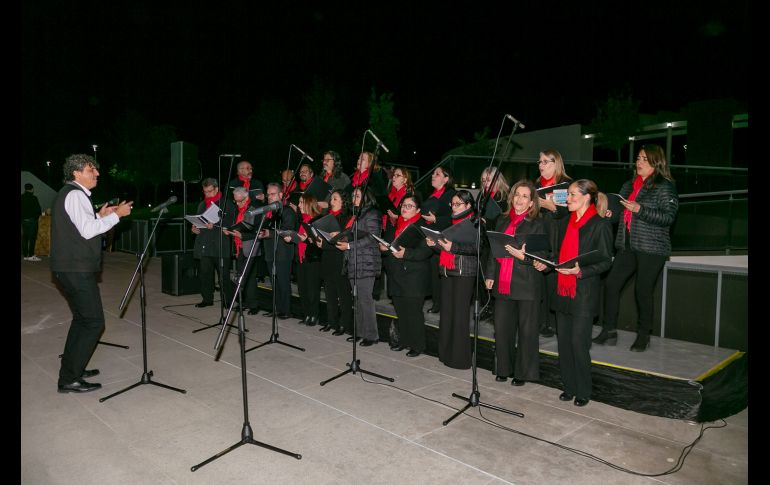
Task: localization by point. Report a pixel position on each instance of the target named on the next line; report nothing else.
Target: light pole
(48, 171)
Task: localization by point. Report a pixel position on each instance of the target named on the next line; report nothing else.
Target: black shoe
(282, 316)
(565, 396)
(79, 386)
(609, 337)
(267, 314)
(89, 373)
(641, 343)
(204, 304)
(517, 382)
(338, 332)
(254, 311)
(303, 321)
(350, 339)
(312, 321)
(547, 331)
(325, 328)
(366, 342)
(434, 309)
(501, 378)
(397, 348)
(412, 353)
(581, 401)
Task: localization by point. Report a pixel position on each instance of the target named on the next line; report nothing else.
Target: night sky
(203, 67)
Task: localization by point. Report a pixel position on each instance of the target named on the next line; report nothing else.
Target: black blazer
(525, 279)
(312, 252)
(410, 275)
(287, 221)
(444, 212)
(595, 234)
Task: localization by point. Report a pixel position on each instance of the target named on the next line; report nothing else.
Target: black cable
(678, 466)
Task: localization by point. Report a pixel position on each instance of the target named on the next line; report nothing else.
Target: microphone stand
(220, 275)
(274, 331)
(293, 176)
(146, 375)
(354, 364)
(247, 435)
(474, 399)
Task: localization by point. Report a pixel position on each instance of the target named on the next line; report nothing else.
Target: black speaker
(184, 162)
(179, 273)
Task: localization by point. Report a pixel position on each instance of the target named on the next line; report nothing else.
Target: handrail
(711, 194)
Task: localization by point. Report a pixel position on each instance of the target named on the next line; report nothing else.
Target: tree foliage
(616, 119)
(383, 122)
(323, 126)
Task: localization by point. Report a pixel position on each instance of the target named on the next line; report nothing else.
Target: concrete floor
(351, 430)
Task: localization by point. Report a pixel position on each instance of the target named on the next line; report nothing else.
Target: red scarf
(447, 259)
(291, 187)
(567, 284)
(547, 182)
(402, 223)
(335, 213)
(302, 246)
(350, 222)
(437, 193)
(395, 196)
(211, 200)
(327, 176)
(302, 184)
(246, 182)
(638, 182)
(506, 264)
(360, 177)
(239, 218)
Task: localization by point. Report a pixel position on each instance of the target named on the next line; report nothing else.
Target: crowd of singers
(530, 296)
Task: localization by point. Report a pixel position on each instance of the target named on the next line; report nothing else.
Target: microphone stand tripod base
(473, 401)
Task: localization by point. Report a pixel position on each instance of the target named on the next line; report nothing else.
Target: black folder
(384, 204)
(292, 234)
(318, 188)
(346, 235)
(535, 243)
(431, 204)
(463, 232)
(241, 227)
(492, 210)
(327, 223)
(547, 190)
(585, 259)
(409, 238)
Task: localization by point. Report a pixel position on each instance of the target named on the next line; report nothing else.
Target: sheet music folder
(591, 257)
(498, 240)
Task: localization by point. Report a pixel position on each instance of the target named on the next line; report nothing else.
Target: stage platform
(673, 378)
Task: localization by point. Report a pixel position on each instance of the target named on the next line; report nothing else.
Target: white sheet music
(209, 216)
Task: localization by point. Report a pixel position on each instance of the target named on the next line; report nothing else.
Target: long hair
(556, 158)
(374, 165)
(535, 209)
(407, 179)
(450, 183)
(310, 205)
(501, 187)
(656, 157)
(337, 170)
(466, 198)
(346, 203)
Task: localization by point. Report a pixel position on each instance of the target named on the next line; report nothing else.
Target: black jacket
(287, 220)
(365, 250)
(650, 226)
(207, 241)
(410, 275)
(526, 281)
(440, 208)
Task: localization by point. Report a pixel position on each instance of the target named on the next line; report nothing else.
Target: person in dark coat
(30, 213)
(458, 264)
(517, 286)
(552, 172)
(339, 300)
(363, 263)
(577, 289)
(308, 261)
(207, 246)
(333, 175)
(243, 239)
(437, 213)
(643, 243)
(408, 271)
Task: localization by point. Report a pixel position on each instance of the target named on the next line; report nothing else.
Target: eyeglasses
(408, 206)
(543, 162)
(457, 204)
(239, 201)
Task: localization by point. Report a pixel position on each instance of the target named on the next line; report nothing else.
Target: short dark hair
(77, 163)
(28, 186)
(210, 182)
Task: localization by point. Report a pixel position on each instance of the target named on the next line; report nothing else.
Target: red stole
(359, 177)
(437, 193)
(395, 196)
(246, 182)
(327, 176)
(402, 223)
(447, 259)
(302, 184)
(239, 218)
(567, 284)
(302, 246)
(547, 182)
(638, 182)
(506, 264)
(211, 200)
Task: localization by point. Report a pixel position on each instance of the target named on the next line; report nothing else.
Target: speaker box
(179, 273)
(184, 162)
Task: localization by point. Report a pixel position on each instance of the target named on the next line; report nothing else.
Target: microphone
(231, 155)
(273, 206)
(378, 141)
(162, 206)
(303, 153)
(517, 122)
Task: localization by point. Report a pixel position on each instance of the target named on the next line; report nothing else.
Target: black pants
(249, 283)
(309, 286)
(339, 299)
(435, 281)
(647, 268)
(517, 318)
(547, 317)
(281, 285)
(208, 268)
(82, 293)
(411, 321)
(574, 343)
(28, 237)
(454, 345)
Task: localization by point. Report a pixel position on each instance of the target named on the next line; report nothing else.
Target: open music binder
(463, 232)
(498, 240)
(591, 257)
(409, 238)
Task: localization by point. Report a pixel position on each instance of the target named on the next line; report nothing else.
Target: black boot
(641, 343)
(311, 321)
(609, 337)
